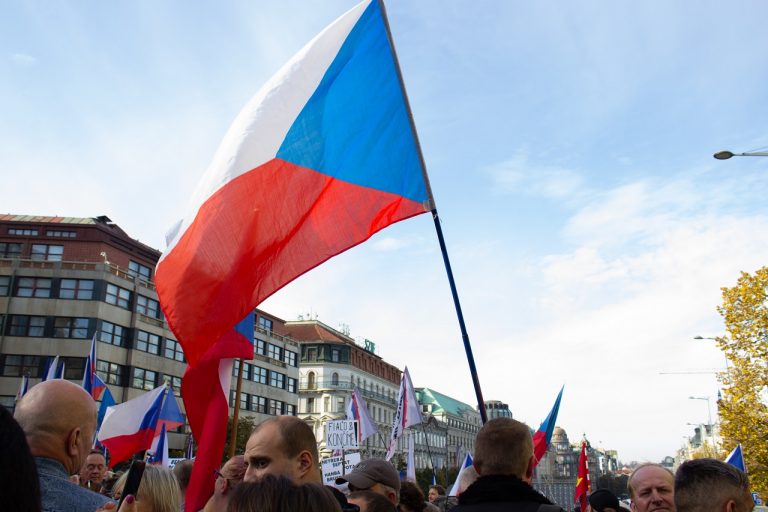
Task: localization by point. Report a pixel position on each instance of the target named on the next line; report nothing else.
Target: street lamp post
(725, 155)
(727, 366)
(709, 418)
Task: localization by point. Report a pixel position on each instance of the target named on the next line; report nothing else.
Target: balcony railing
(318, 385)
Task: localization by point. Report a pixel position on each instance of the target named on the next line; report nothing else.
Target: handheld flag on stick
(53, 371)
(407, 413)
(107, 401)
(23, 387)
(582, 482)
(736, 458)
(464, 466)
(358, 410)
(91, 382)
(543, 436)
(129, 427)
(159, 450)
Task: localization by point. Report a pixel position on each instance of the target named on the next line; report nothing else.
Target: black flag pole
(436, 218)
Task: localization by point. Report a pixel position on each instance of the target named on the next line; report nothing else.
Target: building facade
(332, 365)
(64, 280)
(497, 409)
(461, 420)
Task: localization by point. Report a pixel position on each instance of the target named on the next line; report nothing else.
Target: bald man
(59, 421)
(283, 445)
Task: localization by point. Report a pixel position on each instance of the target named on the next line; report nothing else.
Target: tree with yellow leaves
(743, 410)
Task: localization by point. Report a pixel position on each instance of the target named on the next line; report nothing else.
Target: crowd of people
(48, 465)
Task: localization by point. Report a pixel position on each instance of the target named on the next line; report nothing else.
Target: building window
(335, 379)
(70, 328)
(265, 323)
(5, 285)
(22, 325)
(289, 357)
(290, 410)
(247, 369)
(16, 366)
(174, 383)
(143, 379)
(118, 296)
(112, 334)
(310, 405)
(311, 380)
(326, 404)
(55, 233)
(76, 289)
(276, 379)
(259, 404)
(74, 367)
(340, 404)
(22, 231)
(173, 350)
(291, 385)
(147, 306)
(147, 342)
(335, 355)
(259, 375)
(138, 270)
(312, 354)
(111, 373)
(47, 252)
(275, 407)
(274, 352)
(33, 287)
(261, 347)
(8, 250)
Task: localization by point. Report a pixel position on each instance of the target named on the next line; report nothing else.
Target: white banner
(332, 467)
(341, 434)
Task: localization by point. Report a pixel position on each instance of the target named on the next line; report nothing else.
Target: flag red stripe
(248, 241)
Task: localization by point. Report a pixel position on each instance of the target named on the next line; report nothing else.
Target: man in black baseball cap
(374, 475)
(603, 500)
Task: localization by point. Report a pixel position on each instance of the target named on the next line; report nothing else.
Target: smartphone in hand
(133, 480)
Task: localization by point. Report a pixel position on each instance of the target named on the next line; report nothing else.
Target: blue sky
(569, 149)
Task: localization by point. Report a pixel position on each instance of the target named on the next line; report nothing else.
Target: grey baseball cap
(370, 472)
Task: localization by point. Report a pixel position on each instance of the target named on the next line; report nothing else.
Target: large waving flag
(543, 436)
(323, 156)
(205, 389)
(129, 427)
(408, 412)
(357, 409)
(582, 481)
(736, 458)
(170, 414)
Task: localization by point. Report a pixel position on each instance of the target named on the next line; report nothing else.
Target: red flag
(205, 388)
(582, 483)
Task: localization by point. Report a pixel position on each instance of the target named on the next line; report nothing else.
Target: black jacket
(502, 493)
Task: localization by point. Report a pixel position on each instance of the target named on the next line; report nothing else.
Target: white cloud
(518, 175)
(23, 59)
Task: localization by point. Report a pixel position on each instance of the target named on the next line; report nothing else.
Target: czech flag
(358, 410)
(129, 427)
(92, 383)
(736, 458)
(543, 436)
(324, 156)
(582, 481)
(159, 450)
(464, 466)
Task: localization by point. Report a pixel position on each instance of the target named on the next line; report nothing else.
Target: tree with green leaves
(742, 407)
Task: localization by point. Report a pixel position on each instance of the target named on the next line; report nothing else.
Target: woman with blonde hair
(158, 492)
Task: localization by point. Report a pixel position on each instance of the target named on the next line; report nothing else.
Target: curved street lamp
(725, 155)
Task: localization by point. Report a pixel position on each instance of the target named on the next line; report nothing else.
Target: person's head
(504, 446)
(19, 484)
(435, 491)
(183, 472)
(279, 493)
(370, 501)
(283, 445)
(651, 487)
(59, 420)
(158, 492)
(708, 485)
(411, 498)
(603, 500)
(227, 478)
(374, 475)
(94, 470)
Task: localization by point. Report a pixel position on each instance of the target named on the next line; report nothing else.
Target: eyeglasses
(217, 474)
(353, 488)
